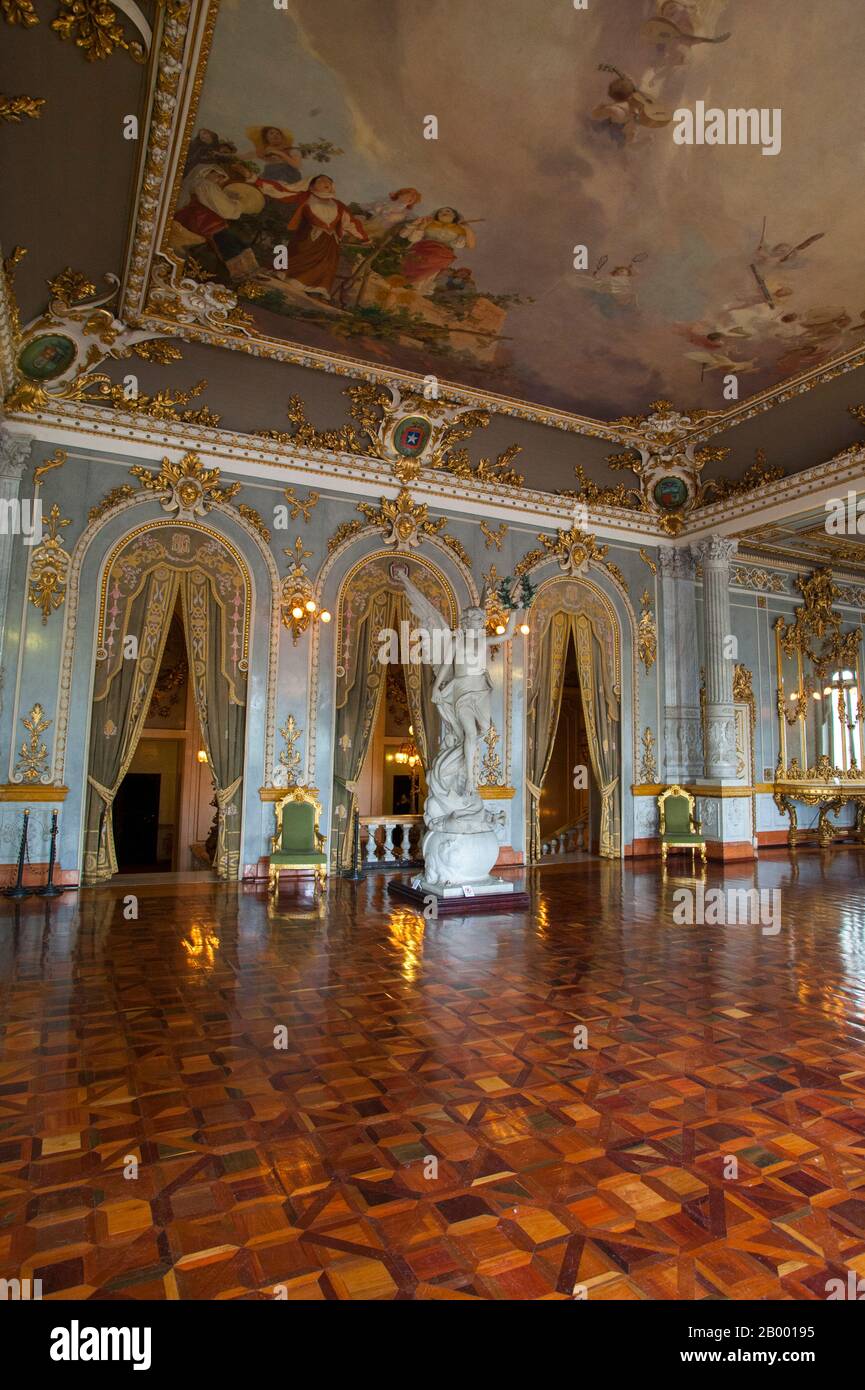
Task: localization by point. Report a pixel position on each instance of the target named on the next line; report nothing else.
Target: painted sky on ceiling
(701, 260)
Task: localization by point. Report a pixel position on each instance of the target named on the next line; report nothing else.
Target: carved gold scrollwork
(49, 567)
(816, 622)
(32, 765)
(647, 633)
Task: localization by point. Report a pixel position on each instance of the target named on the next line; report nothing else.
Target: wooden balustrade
(568, 838)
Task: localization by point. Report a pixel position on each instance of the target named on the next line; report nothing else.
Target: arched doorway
(373, 638)
(574, 626)
(158, 573)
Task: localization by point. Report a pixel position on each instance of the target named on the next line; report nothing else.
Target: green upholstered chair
(679, 829)
(298, 843)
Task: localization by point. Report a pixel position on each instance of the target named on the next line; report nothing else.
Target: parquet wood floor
(228, 1099)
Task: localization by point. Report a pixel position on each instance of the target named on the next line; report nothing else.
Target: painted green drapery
(121, 700)
(601, 713)
(543, 718)
(140, 593)
(219, 687)
(358, 694)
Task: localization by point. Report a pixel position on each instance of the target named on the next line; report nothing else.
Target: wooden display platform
(518, 901)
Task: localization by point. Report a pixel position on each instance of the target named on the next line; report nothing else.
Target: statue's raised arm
(423, 608)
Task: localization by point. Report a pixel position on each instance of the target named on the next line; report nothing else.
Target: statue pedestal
(457, 879)
(494, 896)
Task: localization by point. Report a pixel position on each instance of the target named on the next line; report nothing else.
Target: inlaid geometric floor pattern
(223, 1099)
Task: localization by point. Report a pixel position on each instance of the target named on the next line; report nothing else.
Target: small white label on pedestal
(468, 891)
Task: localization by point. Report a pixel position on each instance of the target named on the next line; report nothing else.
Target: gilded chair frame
(295, 794)
(695, 825)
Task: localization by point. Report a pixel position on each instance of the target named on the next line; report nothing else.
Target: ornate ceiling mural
(421, 215)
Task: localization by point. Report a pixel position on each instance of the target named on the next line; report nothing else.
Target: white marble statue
(460, 844)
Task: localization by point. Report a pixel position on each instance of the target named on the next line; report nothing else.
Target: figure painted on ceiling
(435, 242)
(319, 223)
(615, 289)
(672, 30)
(381, 218)
(209, 148)
(628, 108)
(278, 158)
(783, 252)
(211, 198)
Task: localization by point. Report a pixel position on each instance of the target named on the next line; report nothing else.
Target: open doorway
(391, 789)
(570, 805)
(164, 812)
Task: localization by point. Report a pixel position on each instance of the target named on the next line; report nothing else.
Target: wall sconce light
(299, 607)
(201, 755)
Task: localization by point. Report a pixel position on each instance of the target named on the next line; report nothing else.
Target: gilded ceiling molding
(177, 32)
(755, 477)
(21, 12)
(54, 356)
(92, 25)
(667, 466)
(406, 430)
(15, 109)
(594, 495)
(10, 322)
(163, 406)
(84, 418)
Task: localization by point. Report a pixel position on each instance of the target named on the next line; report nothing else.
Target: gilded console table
(824, 786)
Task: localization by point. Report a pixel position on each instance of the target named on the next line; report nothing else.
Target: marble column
(683, 738)
(14, 454)
(720, 750)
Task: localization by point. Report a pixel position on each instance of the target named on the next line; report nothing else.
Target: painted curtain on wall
(601, 712)
(138, 598)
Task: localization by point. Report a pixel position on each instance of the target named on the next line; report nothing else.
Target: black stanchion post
(49, 891)
(355, 873)
(18, 890)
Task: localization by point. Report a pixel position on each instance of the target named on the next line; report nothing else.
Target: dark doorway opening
(136, 824)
